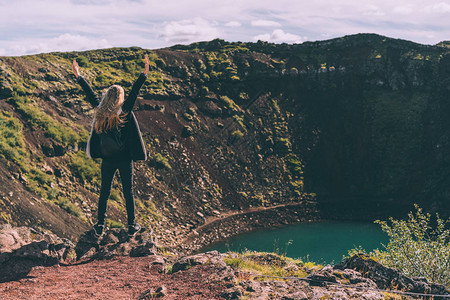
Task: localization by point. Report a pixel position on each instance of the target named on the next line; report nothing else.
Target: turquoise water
(321, 242)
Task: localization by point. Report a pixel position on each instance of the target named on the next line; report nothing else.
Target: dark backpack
(111, 143)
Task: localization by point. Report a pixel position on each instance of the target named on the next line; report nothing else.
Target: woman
(115, 137)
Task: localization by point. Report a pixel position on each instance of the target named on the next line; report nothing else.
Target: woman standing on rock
(115, 137)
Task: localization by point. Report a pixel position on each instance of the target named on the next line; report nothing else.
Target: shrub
(83, 61)
(416, 247)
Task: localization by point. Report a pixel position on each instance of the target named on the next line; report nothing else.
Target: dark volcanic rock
(115, 242)
(23, 248)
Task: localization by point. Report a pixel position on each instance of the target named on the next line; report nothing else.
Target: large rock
(115, 242)
(22, 248)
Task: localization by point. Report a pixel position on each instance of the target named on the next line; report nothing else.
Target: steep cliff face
(230, 126)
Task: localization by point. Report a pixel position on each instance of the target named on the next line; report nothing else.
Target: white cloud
(233, 24)
(64, 42)
(403, 10)
(265, 23)
(29, 26)
(279, 36)
(372, 10)
(441, 7)
(187, 31)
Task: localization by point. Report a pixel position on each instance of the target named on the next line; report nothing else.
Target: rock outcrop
(115, 242)
(23, 248)
(389, 278)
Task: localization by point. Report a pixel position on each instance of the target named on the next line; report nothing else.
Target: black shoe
(133, 229)
(98, 229)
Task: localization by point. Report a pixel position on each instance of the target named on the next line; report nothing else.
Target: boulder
(22, 248)
(115, 242)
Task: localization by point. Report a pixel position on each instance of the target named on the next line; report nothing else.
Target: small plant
(159, 162)
(114, 224)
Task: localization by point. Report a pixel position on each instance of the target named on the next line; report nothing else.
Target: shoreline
(219, 228)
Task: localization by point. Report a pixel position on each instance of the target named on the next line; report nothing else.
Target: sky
(40, 26)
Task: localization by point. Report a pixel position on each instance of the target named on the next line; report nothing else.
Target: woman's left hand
(146, 65)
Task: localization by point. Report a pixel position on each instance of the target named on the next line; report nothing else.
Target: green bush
(83, 61)
(416, 247)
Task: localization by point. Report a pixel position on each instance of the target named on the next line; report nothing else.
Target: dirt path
(118, 278)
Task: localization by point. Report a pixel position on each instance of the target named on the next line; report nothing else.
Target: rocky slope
(356, 122)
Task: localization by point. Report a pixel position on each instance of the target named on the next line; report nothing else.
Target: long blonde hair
(108, 114)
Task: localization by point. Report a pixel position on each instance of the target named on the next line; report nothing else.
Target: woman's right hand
(75, 68)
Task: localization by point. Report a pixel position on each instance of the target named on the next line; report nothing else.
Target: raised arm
(131, 99)
(91, 97)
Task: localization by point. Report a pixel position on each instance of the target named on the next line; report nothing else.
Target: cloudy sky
(36, 26)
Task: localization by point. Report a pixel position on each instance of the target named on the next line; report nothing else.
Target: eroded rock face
(22, 248)
(115, 242)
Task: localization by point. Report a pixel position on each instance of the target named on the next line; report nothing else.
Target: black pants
(109, 168)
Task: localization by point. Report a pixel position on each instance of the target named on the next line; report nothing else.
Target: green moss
(61, 133)
(114, 224)
(276, 265)
(237, 134)
(12, 140)
(68, 206)
(225, 100)
(159, 162)
(83, 167)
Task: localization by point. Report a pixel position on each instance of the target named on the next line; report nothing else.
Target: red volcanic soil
(118, 278)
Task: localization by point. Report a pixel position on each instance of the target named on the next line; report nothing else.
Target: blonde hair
(108, 114)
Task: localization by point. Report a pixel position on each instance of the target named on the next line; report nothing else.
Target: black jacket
(135, 148)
